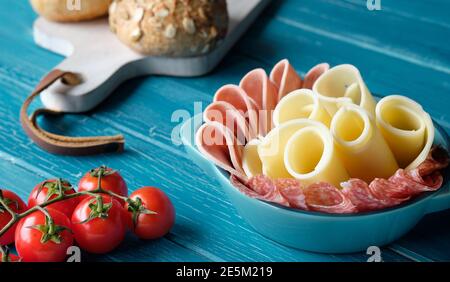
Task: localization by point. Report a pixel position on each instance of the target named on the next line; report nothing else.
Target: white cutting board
(103, 62)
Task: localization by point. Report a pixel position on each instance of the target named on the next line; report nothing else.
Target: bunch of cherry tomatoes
(96, 216)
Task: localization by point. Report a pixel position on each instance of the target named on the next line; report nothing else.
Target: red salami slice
(390, 192)
(359, 193)
(292, 191)
(417, 183)
(325, 197)
(243, 188)
(267, 190)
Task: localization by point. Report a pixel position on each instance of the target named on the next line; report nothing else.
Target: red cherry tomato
(111, 180)
(9, 258)
(99, 227)
(17, 205)
(145, 224)
(40, 240)
(48, 190)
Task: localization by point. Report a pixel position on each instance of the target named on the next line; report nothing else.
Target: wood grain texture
(208, 227)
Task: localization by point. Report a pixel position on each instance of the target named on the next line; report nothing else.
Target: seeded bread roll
(69, 11)
(169, 27)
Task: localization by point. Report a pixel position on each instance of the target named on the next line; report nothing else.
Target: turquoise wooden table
(404, 49)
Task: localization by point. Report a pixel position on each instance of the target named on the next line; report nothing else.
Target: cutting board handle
(59, 144)
(98, 80)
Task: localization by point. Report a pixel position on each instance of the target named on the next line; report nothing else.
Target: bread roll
(69, 10)
(169, 27)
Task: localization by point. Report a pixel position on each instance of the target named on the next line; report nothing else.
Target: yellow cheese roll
(342, 85)
(301, 103)
(360, 145)
(407, 128)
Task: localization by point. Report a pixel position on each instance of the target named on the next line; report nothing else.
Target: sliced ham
(258, 86)
(229, 116)
(235, 96)
(314, 74)
(285, 78)
(217, 143)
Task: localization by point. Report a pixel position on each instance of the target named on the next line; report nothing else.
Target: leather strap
(58, 144)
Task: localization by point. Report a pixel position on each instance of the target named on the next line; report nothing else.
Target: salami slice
(390, 192)
(292, 191)
(267, 190)
(417, 183)
(359, 193)
(325, 197)
(243, 188)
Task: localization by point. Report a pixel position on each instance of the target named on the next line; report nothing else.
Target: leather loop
(58, 144)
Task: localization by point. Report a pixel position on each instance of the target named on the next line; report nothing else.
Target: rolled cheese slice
(251, 163)
(360, 145)
(310, 157)
(301, 103)
(407, 128)
(342, 85)
(272, 146)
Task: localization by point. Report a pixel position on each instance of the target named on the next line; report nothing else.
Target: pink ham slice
(229, 116)
(217, 143)
(260, 89)
(285, 78)
(314, 74)
(235, 96)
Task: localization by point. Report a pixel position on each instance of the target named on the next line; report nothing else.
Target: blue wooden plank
(20, 180)
(400, 37)
(430, 12)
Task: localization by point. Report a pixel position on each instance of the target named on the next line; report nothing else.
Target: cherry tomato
(48, 190)
(10, 258)
(151, 213)
(111, 180)
(17, 205)
(99, 224)
(6, 256)
(40, 238)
